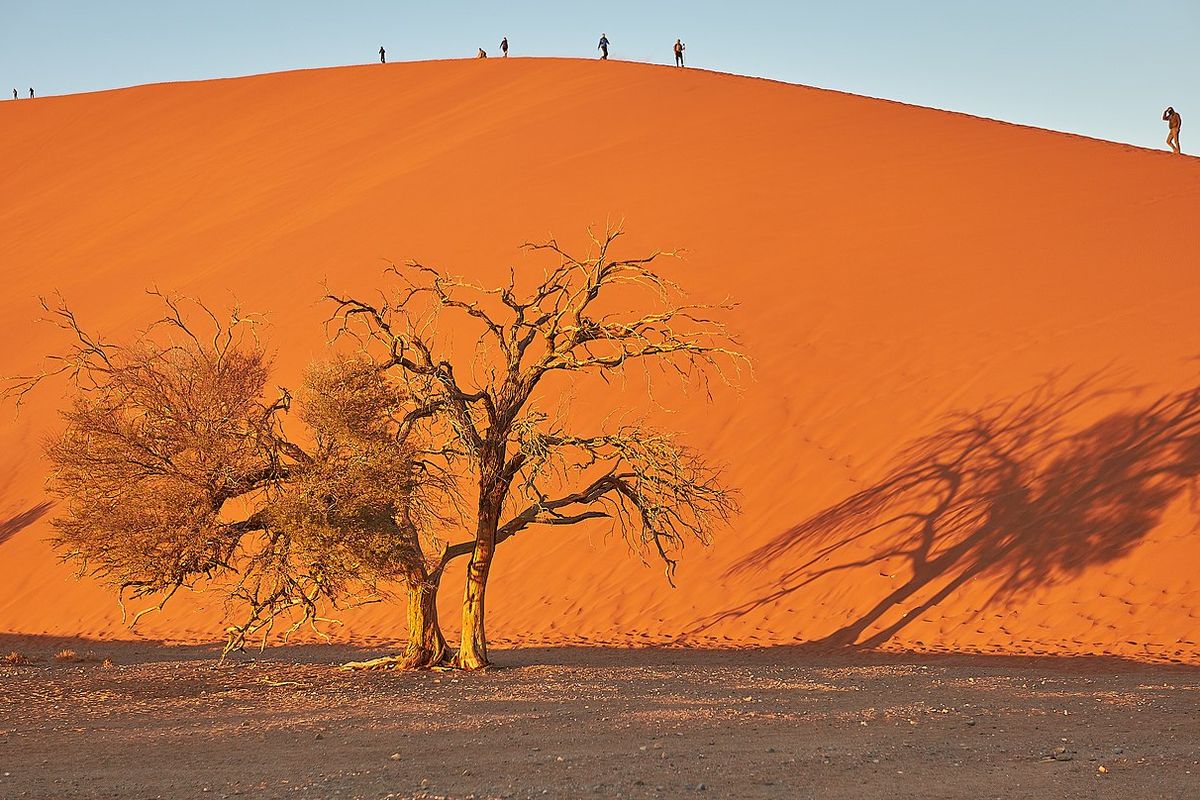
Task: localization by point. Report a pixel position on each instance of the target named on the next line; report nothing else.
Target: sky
(1102, 68)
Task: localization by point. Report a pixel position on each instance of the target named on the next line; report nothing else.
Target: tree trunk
(493, 487)
(472, 653)
(426, 645)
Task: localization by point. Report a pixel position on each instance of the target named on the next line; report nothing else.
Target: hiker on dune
(481, 54)
(382, 56)
(679, 48)
(504, 47)
(1174, 122)
(603, 47)
(30, 92)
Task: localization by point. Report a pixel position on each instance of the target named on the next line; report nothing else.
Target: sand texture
(969, 428)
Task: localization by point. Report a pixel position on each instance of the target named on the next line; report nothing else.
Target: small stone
(319, 736)
(1063, 756)
(1118, 750)
(395, 757)
(701, 788)
(971, 722)
(1103, 770)
(559, 759)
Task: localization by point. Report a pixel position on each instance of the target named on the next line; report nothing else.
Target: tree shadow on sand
(14, 525)
(1009, 492)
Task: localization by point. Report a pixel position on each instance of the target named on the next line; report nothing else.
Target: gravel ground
(171, 722)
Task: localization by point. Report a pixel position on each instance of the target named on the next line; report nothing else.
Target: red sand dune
(894, 265)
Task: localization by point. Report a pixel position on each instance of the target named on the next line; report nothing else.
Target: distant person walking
(1174, 122)
(603, 47)
(679, 48)
(504, 46)
(14, 94)
(30, 92)
(382, 55)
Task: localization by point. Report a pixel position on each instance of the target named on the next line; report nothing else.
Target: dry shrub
(152, 449)
(66, 654)
(174, 472)
(16, 659)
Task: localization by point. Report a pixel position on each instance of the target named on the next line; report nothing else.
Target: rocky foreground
(145, 721)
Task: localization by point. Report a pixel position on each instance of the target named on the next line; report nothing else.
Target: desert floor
(171, 722)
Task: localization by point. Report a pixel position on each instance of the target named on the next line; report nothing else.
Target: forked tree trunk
(426, 646)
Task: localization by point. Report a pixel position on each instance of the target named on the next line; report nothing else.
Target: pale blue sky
(1103, 68)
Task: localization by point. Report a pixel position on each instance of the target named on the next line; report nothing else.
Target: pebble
(395, 757)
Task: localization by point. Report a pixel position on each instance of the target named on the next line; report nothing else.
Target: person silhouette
(679, 48)
(504, 47)
(14, 94)
(481, 54)
(603, 47)
(31, 92)
(1174, 123)
(382, 55)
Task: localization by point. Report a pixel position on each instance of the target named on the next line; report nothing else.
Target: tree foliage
(173, 472)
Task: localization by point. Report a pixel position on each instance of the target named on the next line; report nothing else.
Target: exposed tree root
(385, 663)
(443, 661)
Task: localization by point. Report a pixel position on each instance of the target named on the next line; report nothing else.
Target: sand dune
(895, 266)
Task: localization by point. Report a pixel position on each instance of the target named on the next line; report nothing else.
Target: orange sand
(893, 263)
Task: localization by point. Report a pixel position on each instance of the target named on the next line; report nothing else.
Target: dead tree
(594, 315)
(174, 473)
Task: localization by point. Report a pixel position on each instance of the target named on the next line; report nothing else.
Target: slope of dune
(895, 266)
